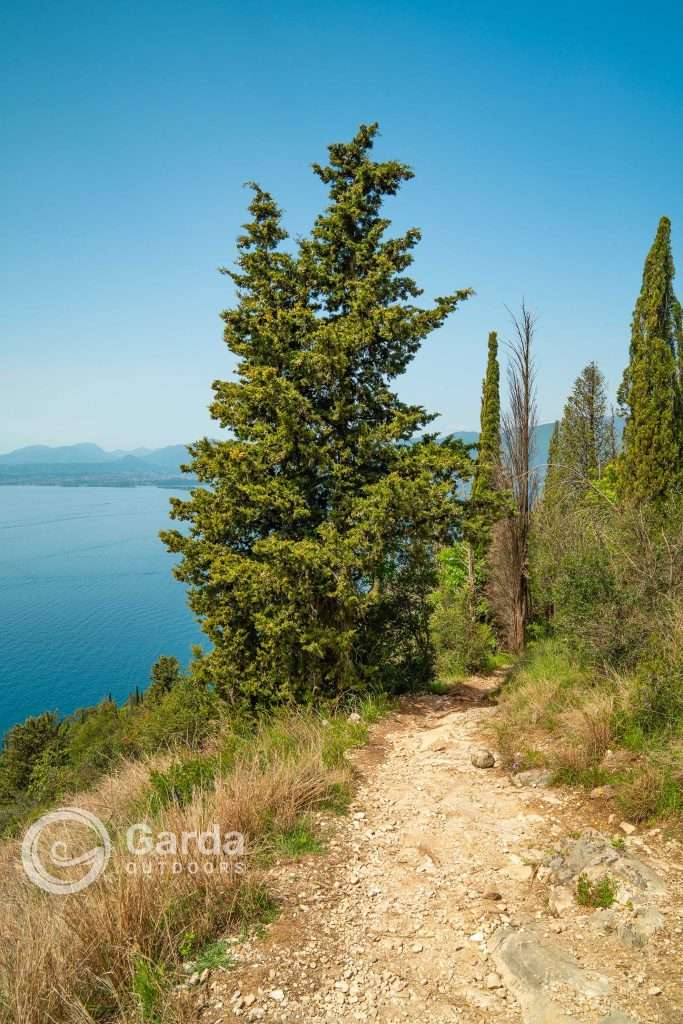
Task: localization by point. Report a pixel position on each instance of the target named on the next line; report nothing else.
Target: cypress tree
(650, 393)
(488, 458)
(309, 552)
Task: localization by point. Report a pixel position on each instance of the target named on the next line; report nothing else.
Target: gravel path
(431, 902)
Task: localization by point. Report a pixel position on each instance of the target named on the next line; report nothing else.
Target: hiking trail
(448, 894)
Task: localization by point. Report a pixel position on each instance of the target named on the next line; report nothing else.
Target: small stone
(354, 717)
(249, 1000)
(416, 947)
(493, 980)
(492, 895)
(477, 937)
(627, 827)
(194, 979)
(654, 991)
(204, 975)
(482, 758)
(560, 900)
(277, 995)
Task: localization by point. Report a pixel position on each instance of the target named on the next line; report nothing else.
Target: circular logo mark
(45, 850)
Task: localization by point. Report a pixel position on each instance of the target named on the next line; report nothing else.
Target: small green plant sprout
(600, 893)
(619, 843)
(216, 954)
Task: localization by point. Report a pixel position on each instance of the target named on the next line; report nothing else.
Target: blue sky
(547, 140)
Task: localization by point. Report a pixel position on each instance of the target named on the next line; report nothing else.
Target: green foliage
(606, 575)
(149, 984)
(297, 841)
(309, 553)
(179, 782)
(185, 714)
(23, 747)
(489, 454)
(165, 675)
(463, 640)
(215, 954)
(651, 463)
(44, 757)
(601, 893)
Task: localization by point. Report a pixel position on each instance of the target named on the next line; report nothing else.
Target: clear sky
(547, 140)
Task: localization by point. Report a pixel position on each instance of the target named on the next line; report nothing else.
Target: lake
(87, 597)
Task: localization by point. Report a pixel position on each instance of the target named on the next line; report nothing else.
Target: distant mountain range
(89, 465)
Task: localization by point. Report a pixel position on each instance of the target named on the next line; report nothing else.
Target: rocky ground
(449, 894)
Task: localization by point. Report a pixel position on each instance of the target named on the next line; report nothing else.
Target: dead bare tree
(509, 556)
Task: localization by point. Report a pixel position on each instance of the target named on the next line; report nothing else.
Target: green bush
(179, 782)
(463, 640)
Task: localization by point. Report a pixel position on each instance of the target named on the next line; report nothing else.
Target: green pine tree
(309, 547)
(650, 394)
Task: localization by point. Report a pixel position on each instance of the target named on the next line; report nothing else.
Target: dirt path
(431, 903)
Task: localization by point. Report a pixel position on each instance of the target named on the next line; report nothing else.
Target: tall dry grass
(74, 959)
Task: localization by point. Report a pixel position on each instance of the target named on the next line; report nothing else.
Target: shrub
(600, 893)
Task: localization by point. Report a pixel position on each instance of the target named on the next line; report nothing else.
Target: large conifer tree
(650, 394)
(309, 547)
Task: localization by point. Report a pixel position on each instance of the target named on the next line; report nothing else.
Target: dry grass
(73, 959)
(585, 733)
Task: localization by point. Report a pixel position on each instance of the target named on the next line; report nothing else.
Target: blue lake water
(87, 597)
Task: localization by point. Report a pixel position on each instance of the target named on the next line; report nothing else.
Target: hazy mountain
(69, 453)
(88, 464)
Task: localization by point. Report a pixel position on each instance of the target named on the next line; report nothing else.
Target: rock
(561, 900)
(594, 853)
(193, 979)
(637, 931)
(654, 991)
(493, 980)
(534, 777)
(617, 1018)
(416, 947)
(604, 921)
(530, 962)
(482, 758)
(627, 827)
(204, 975)
(492, 895)
(277, 995)
(354, 717)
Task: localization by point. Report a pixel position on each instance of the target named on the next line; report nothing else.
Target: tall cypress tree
(309, 553)
(650, 393)
(488, 458)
